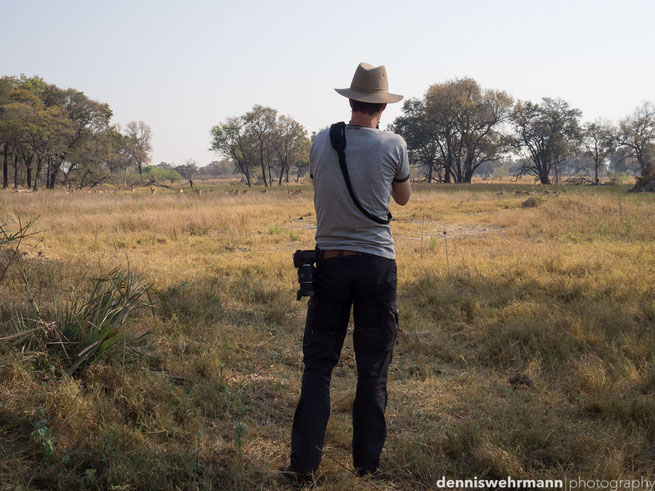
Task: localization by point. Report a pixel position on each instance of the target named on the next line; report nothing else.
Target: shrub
(85, 329)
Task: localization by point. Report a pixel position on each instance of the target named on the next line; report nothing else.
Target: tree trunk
(263, 172)
(5, 172)
(261, 162)
(279, 181)
(15, 170)
(47, 172)
(28, 170)
(37, 177)
(53, 176)
(446, 178)
(430, 174)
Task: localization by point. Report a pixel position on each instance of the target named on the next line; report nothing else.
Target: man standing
(355, 267)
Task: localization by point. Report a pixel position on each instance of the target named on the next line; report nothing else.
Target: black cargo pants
(368, 283)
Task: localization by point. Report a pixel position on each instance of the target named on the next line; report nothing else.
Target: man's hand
(400, 192)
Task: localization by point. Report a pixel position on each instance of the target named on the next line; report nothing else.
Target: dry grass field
(527, 346)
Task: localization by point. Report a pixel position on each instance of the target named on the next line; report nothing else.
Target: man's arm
(401, 191)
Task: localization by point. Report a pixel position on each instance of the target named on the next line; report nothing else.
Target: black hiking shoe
(295, 477)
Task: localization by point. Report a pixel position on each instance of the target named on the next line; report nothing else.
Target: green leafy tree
(636, 133)
(598, 144)
(291, 145)
(188, 170)
(87, 117)
(59, 135)
(230, 140)
(548, 133)
(414, 126)
(6, 86)
(457, 127)
(260, 127)
(38, 132)
(162, 173)
(139, 136)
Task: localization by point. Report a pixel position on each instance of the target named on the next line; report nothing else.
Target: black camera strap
(338, 141)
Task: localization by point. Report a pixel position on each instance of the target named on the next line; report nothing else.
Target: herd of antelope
(153, 190)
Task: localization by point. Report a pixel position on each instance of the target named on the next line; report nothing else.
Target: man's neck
(363, 119)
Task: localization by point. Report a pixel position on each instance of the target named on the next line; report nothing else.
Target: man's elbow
(401, 193)
(401, 200)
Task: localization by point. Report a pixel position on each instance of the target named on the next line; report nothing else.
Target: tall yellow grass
(526, 350)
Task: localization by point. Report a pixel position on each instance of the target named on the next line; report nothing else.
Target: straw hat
(370, 84)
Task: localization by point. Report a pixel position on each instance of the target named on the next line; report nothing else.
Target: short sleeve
(402, 171)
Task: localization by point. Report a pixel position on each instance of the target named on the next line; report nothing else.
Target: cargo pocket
(391, 325)
(376, 326)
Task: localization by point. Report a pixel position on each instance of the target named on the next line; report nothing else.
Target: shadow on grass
(548, 374)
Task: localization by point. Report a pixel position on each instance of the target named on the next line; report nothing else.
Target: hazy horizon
(184, 68)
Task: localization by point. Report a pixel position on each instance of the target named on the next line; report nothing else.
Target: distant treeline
(458, 128)
(218, 169)
(51, 136)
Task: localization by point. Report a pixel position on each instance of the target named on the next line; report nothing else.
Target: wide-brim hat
(370, 84)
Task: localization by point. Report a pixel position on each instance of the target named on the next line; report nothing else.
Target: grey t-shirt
(375, 159)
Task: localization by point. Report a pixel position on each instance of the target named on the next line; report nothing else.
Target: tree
(95, 159)
(218, 169)
(138, 136)
(637, 134)
(54, 132)
(415, 127)
(46, 133)
(259, 137)
(548, 132)
(17, 111)
(260, 123)
(598, 144)
(6, 85)
(87, 118)
(188, 170)
(229, 139)
(37, 132)
(456, 128)
(291, 145)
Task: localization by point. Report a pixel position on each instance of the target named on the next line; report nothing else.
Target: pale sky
(184, 66)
